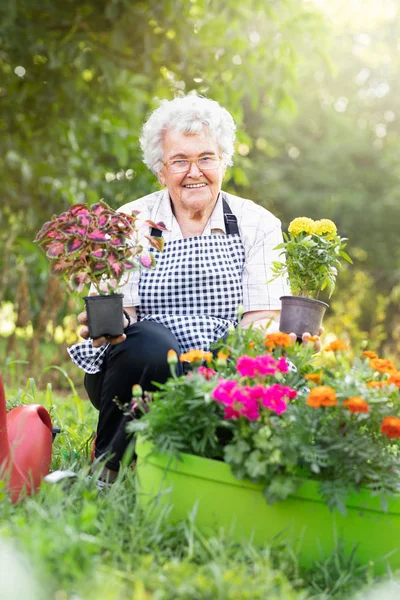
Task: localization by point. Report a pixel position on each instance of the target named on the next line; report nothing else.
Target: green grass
(18, 365)
(73, 542)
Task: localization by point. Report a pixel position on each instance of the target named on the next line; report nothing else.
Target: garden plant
(99, 246)
(312, 252)
(333, 418)
(95, 245)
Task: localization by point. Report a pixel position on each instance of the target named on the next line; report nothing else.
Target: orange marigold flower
(376, 384)
(196, 356)
(252, 344)
(315, 377)
(356, 404)
(382, 365)
(394, 378)
(370, 354)
(222, 355)
(336, 345)
(391, 427)
(322, 395)
(277, 339)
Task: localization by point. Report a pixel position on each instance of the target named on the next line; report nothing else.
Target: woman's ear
(161, 177)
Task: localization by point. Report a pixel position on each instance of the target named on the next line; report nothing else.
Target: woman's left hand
(98, 342)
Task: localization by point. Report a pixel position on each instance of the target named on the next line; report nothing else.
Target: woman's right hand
(100, 341)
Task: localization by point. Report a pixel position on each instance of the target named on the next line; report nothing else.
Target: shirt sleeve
(259, 292)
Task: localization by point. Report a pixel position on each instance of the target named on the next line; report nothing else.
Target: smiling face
(193, 191)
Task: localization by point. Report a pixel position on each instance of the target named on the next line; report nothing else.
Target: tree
(81, 76)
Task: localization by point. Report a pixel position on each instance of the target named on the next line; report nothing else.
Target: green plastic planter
(239, 507)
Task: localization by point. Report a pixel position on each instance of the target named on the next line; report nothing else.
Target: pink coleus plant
(96, 245)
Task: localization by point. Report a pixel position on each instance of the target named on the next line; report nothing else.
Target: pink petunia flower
(224, 391)
(246, 404)
(246, 366)
(260, 365)
(274, 397)
(231, 413)
(206, 372)
(266, 365)
(282, 365)
(256, 392)
(290, 392)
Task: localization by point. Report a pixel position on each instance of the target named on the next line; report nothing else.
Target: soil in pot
(299, 314)
(105, 315)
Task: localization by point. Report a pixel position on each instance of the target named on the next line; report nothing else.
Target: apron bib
(196, 286)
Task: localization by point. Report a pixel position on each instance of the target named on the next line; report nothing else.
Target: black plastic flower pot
(300, 315)
(105, 315)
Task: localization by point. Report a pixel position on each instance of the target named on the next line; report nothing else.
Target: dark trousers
(140, 359)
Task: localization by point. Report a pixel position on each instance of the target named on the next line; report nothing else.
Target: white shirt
(260, 231)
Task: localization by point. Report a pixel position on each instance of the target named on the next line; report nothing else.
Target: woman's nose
(194, 170)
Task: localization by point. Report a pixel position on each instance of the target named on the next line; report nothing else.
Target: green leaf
(280, 488)
(256, 465)
(234, 453)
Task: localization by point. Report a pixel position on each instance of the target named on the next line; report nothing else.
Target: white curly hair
(188, 115)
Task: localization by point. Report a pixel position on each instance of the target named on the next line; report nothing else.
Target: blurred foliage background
(314, 89)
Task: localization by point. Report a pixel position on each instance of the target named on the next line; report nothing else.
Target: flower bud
(222, 358)
(137, 391)
(172, 357)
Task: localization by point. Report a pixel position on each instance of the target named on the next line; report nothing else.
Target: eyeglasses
(205, 163)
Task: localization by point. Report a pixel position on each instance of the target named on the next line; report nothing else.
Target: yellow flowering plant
(312, 252)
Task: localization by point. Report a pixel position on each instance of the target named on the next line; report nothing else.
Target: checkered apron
(195, 288)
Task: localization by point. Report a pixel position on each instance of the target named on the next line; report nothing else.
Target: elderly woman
(217, 255)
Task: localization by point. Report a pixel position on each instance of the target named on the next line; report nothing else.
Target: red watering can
(25, 446)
